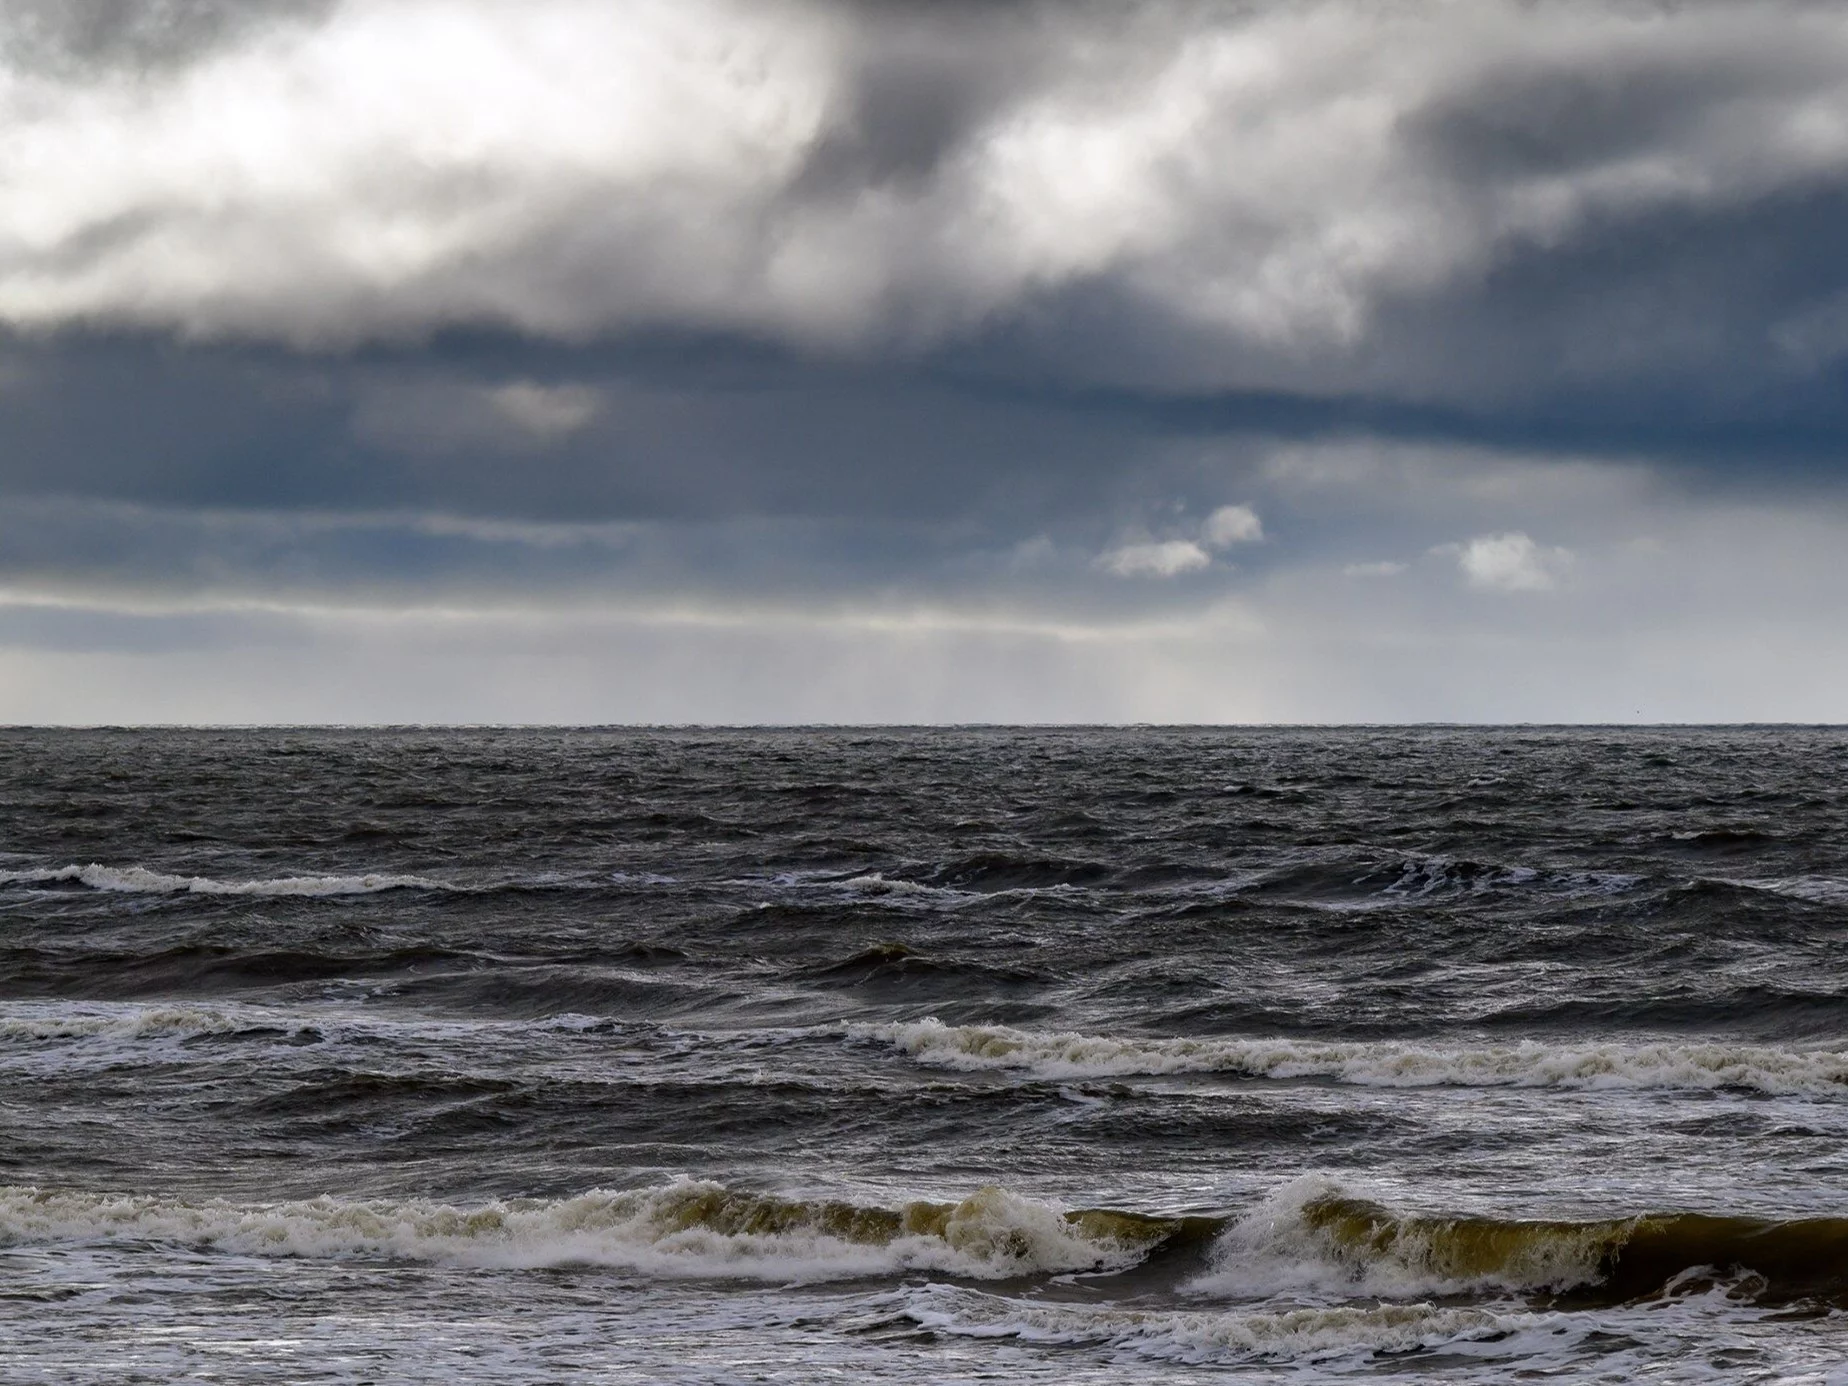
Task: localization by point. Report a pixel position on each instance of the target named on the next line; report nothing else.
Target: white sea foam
(877, 883)
(37, 1020)
(56, 1021)
(688, 1229)
(139, 880)
(1193, 1336)
(1391, 1064)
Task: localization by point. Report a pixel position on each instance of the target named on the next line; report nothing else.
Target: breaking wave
(120, 1022)
(1668, 1065)
(1315, 1235)
(687, 1229)
(138, 880)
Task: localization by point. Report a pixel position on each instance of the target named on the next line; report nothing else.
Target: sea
(1071, 1055)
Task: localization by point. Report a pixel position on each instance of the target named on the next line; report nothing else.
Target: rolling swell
(207, 963)
(206, 969)
(1006, 871)
(898, 967)
(1368, 878)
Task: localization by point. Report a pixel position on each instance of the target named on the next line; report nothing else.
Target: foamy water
(139, 880)
(1812, 1071)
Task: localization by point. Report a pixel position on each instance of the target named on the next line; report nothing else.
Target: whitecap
(139, 880)
(1812, 1072)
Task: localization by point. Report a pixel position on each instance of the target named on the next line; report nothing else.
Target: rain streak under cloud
(460, 359)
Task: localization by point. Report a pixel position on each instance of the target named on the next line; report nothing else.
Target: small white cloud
(1231, 524)
(1031, 553)
(431, 417)
(1385, 569)
(1509, 563)
(537, 534)
(1158, 559)
(546, 411)
(1816, 336)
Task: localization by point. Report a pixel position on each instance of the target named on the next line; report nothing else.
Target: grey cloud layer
(1708, 616)
(1328, 197)
(76, 37)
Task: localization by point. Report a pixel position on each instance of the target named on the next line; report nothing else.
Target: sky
(821, 361)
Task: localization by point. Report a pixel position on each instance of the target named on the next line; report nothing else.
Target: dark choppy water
(1070, 1055)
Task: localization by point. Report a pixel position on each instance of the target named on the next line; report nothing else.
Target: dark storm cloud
(1610, 225)
(499, 430)
(72, 37)
(917, 82)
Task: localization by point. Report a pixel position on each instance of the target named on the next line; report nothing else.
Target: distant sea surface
(1074, 1056)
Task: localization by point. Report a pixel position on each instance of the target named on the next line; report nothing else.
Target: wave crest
(123, 1022)
(1314, 1234)
(688, 1229)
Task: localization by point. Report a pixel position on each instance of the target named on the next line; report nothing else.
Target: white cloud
(1231, 524)
(1511, 562)
(1031, 553)
(1164, 558)
(560, 165)
(434, 416)
(547, 412)
(1264, 177)
(1168, 558)
(1383, 569)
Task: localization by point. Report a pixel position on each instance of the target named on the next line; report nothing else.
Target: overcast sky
(805, 360)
